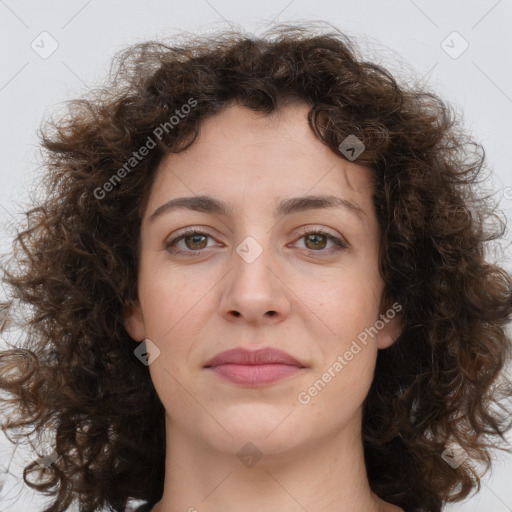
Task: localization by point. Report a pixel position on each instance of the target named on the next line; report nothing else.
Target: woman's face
(256, 276)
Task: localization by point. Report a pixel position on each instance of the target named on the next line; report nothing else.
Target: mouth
(252, 368)
(253, 375)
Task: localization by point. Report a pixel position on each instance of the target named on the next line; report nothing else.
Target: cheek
(343, 391)
(346, 301)
(348, 354)
(169, 295)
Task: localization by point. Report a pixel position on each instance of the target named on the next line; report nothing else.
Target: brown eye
(190, 243)
(316, 241)
(321, 242)
(195, 242)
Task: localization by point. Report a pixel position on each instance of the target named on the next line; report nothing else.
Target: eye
(189, 242)
(192, 242)
(316, 240)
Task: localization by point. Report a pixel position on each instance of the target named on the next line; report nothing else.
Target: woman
(258, 283)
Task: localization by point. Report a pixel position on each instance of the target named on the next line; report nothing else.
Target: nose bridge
(253, 290)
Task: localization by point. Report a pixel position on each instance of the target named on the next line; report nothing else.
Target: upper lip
(254, 357)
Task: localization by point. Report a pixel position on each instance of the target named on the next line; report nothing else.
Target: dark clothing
(145, 508)
(148, 506)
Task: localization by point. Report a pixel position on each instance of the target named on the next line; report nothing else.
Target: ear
(392, 328)
(133, 321)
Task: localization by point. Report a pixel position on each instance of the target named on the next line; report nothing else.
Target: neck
(328, 475)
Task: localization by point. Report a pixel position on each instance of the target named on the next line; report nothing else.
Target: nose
(254, 292)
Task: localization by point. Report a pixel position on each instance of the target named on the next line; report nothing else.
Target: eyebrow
(288, 206)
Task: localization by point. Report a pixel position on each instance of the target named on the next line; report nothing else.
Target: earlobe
(133, 321)
(390, 332)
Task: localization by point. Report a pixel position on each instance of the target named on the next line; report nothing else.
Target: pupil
(317, 239)
(196, 239)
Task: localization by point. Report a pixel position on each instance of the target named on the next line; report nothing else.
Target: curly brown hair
(76, 375)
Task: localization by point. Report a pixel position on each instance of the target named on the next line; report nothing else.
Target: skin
(300, 295)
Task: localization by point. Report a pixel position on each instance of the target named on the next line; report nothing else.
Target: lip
(254, 367)
(260, 356)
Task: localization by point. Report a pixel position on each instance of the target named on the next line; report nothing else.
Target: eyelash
(338, 242)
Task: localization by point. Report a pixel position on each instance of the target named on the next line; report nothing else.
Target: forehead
(242, 152)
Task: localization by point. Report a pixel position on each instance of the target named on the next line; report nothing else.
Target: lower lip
(255, 375)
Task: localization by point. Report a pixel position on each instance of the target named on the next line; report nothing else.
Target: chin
(270, 434)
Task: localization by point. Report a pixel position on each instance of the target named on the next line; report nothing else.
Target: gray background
(405, 35)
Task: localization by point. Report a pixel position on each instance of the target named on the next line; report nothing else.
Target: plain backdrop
(52, 51)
